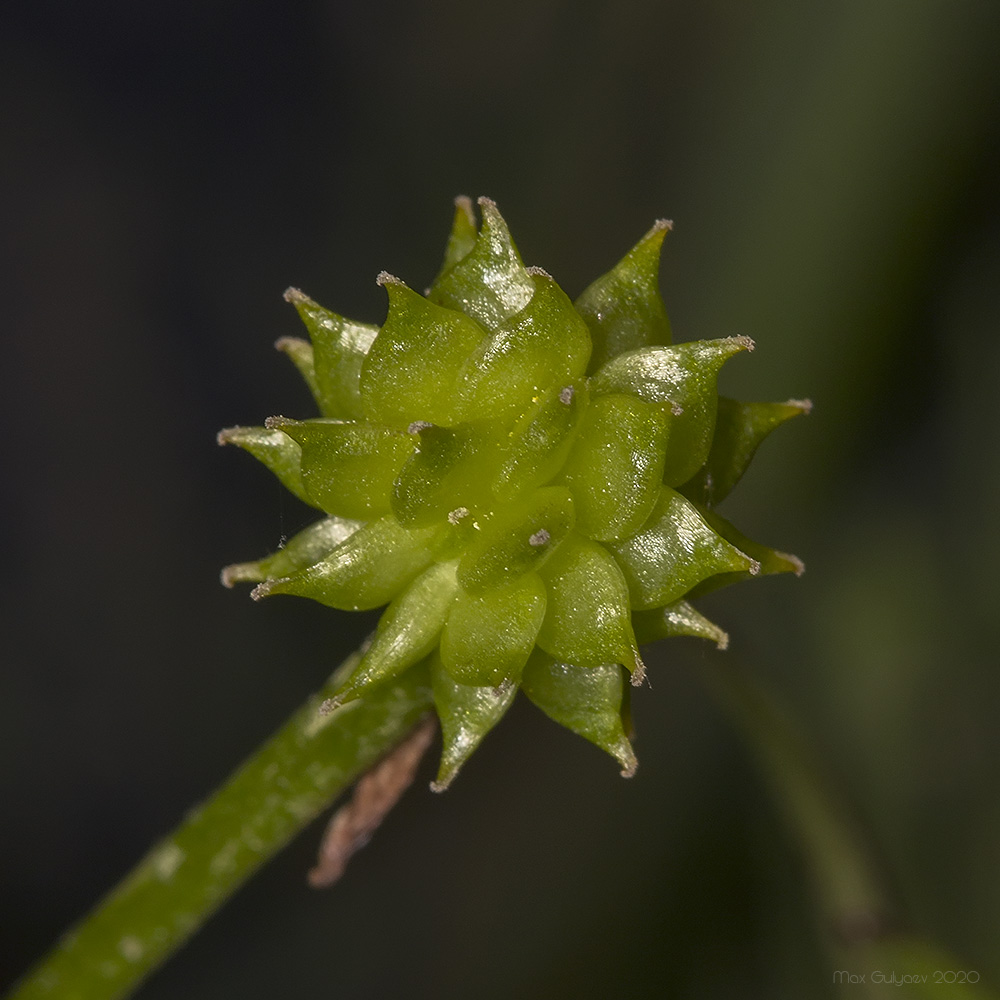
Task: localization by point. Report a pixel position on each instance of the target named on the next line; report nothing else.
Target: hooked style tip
(622, 752)
(798, 566)
(288, 344)
(629, 768)
(236, 573)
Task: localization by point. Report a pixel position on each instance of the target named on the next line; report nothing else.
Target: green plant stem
(188, 875)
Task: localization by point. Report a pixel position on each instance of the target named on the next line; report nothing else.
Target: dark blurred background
(167, 169)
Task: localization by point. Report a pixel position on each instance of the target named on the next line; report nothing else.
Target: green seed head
(527, 482)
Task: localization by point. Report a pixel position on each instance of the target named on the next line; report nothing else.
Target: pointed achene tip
(539, 271)
(638, 671)
(445, 776)
(744, 343)
(464, 204)
(492, 219)
(228, 435)
(295, 296)
(330, 705)
(657, 231)
(266, 588)
(343, 697)
(239, 573)
(503, 688)
(804, 405)
(277, 422)
(798, 566)
(625, 756)
(495, 231)
(288, 344)
(385, 278)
